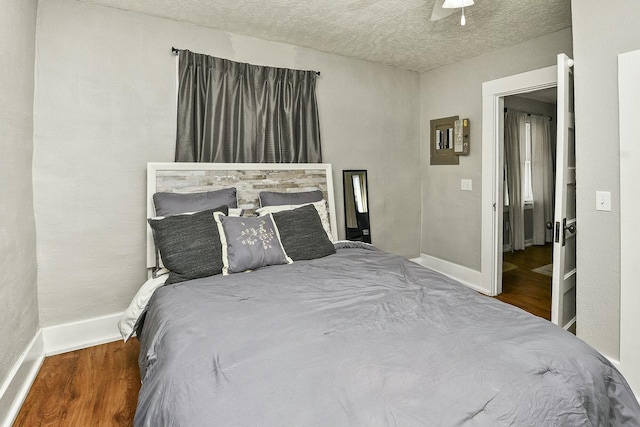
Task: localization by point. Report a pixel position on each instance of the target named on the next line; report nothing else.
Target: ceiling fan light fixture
(453, 4)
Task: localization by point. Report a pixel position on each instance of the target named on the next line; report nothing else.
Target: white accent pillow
(320, 206)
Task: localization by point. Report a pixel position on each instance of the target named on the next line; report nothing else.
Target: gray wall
(105, 106)
(601, 30)
(532, 106)
(18, 297)
(451, 218)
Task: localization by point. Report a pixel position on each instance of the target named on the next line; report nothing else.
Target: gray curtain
(542, 179)
(235, 112)
(514, 137)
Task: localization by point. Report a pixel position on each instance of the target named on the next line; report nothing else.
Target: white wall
(629, 96)
(601, 31)
(451, 218)
(105, 105)
(18, 297)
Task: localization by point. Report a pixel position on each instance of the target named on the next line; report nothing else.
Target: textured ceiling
(393, 32)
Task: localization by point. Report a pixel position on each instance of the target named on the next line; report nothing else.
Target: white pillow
(320, 206)
(130, 317)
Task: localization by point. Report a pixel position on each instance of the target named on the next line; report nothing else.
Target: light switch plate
(466, 184)
(603, 201)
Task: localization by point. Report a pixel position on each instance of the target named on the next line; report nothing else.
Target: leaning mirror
(356, 205)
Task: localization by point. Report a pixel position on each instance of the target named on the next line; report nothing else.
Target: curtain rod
(177, 52)
(528, 114)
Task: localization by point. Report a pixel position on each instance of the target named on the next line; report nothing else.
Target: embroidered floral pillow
(249, 243)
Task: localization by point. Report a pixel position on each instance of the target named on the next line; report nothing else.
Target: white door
(563, 290)
(629, 98)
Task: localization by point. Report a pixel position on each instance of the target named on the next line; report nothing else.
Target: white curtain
(541, 179)
(514, 140)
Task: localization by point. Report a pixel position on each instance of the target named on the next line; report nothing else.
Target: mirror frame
(358, 233)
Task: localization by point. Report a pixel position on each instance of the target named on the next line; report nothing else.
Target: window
(525, 169)
(505, 187)
(527, 186)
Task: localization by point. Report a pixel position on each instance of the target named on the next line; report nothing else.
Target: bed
(355, 337)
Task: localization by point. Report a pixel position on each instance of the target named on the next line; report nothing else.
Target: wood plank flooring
(98, 386)
(524, 288)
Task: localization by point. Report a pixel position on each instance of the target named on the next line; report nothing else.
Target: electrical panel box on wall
(462, 140)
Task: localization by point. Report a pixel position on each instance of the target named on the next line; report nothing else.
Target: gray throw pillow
(189, 244)
(302, 233)
(176, 203)
(249, 243)
(272, 198)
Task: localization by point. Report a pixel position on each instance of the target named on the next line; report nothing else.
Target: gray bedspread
(363, 338)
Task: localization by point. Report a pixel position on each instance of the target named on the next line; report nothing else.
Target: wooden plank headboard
(248, 178)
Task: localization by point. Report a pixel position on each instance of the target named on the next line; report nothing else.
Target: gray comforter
(363, 338)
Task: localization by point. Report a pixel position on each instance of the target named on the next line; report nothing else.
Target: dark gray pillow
(189, 244)
(249, 243)
(272, 198)
(302, 233)
(176, 203)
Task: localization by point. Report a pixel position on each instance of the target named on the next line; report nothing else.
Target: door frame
(629, 105)
(493, 93)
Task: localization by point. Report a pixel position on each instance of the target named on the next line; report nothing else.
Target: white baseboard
(616, 363)
(464, 275)
(15, 388)
(47, 342)
(81, 334)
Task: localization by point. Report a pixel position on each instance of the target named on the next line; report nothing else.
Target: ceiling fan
(444, 8)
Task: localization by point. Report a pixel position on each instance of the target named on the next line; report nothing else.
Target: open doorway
(529, 174)
(560, 76)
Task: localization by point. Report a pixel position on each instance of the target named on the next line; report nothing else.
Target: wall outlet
(603, 201)
(466, 184)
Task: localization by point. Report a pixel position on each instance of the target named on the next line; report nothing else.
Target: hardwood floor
(524, 288)
(98, 386)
